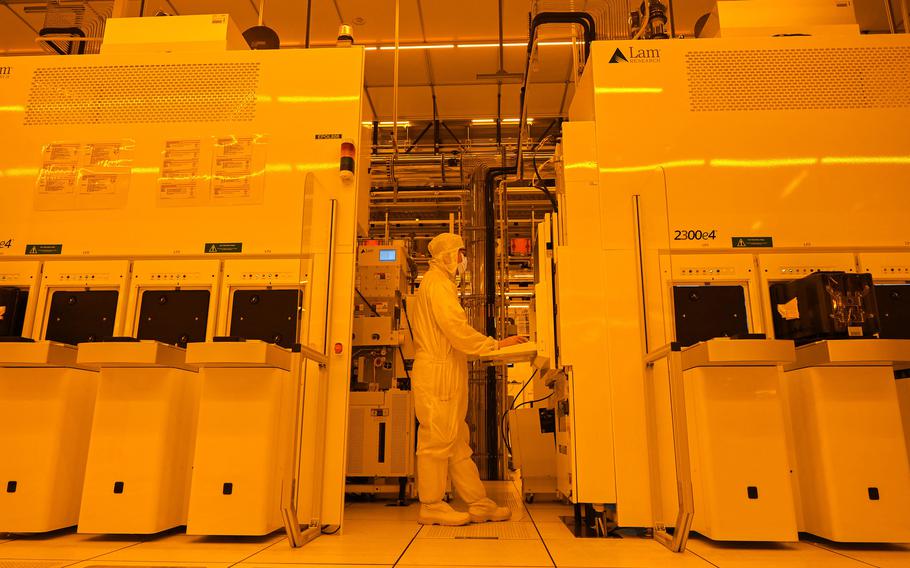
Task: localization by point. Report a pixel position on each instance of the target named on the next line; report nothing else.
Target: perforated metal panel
(485, 531)
(401, 442)
(126, 94)
(356, 416)
(799, 79)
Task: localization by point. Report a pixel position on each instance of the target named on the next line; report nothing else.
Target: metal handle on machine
(677, 541)
(296, 537)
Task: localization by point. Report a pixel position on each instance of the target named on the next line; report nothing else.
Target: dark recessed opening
(11, 486)
(118, 487)
(227, 489)
(873, 494)
(752, 492)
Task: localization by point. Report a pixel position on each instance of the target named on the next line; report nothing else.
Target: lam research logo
(5, 72)
(636, 56)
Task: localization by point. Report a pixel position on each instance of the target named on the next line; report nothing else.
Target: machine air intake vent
(127, 94)
(401, 415)
(799, 79)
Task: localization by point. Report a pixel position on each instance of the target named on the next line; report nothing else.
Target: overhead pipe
(395, 80)
(586, 21)
(489, 273)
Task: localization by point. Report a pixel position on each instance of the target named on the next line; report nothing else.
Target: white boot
(441, 513)
(487, 510)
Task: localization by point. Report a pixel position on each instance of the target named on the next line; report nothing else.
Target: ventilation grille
(799, 79)
(129, 94)
(355, 439)
(485, 531)
(401, 443)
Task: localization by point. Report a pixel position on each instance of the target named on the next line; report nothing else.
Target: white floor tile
(549, 512)
(458, 552)
(184, 548)
(456, 566)
(360, 542)
(380, 511)
(64, 546)
(755, 555)
(482, 531)
(553, 530)
(147, 564)
(612, 552)
(254, 565)
(881, 555)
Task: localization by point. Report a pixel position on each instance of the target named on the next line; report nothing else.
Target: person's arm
(453, 322)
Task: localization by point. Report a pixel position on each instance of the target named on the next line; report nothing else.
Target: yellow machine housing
(682, 161)
(189, 157)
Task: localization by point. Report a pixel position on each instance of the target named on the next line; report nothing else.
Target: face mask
(463, 266)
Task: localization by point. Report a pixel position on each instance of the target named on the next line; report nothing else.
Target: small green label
(753, 242)
(223, 247)
(43, 249)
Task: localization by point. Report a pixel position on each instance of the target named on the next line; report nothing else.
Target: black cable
(534, 401)
(541, 187)
(404, 365)
(369, 305)
(502, 421)
(534, 156)
(404, 308)
(323, 531)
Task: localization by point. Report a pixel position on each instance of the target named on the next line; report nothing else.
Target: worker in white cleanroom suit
(443, 340)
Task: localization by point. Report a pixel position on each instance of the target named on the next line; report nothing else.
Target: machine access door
(13, 302)
(244, 447)
(81, 316)
(46, 397)
(736, 437)
(704, 312)
(266, 315)
(144, 431)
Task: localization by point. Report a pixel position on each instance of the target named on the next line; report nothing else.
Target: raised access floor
(378, 535)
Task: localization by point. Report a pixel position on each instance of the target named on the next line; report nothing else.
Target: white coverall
(443, 338)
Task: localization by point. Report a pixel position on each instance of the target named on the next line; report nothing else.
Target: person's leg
(431, 478)
(433, 450)
(468, 485)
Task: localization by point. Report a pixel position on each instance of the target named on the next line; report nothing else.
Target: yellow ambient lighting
(628, 90)
(462, 45)
(654, 167)
(505, 120)
(389, 123)
(581, 165)
(426, 46)
(318, 99)
(509, 44)
(12, 109)
(766, 163)
(861, 160)
(315, 166)
(20, 172)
